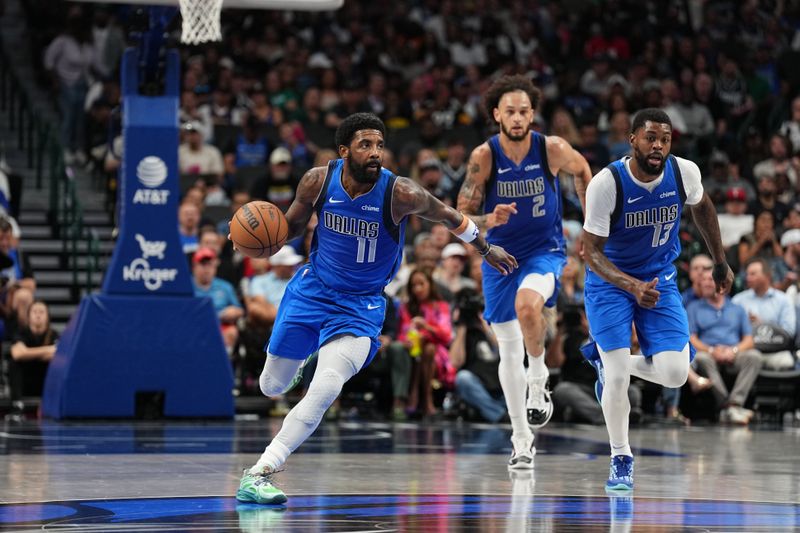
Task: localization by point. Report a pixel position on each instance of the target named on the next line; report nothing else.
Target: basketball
(259, 229)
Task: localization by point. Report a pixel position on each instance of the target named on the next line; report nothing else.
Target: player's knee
(675, 378)
(270, 386)
(324, 389)
(527, 312)
(673, 370)
(617, 382)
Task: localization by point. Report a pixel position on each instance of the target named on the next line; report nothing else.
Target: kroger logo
(139, 269)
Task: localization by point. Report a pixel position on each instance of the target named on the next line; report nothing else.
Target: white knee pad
(672, 367)
(544, 284)
(507, 331)
(277, 374)
(269, 385)
(324, 389)
(616, 370)
(339, 360)
(509, 341)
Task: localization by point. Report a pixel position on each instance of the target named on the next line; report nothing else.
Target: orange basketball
(259, 229)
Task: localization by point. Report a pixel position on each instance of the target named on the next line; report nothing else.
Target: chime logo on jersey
(140, 270)
(152, 173)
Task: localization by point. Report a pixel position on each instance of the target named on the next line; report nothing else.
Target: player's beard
(646, 166)
(526, 129)
(364, 173)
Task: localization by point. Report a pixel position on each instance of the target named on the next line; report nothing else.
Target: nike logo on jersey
(370, 306)
(331, 200)
(503, 170)
(631, 200)
(669, 276)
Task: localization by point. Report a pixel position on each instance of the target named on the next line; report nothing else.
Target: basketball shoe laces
(622, 470)
(537, 392)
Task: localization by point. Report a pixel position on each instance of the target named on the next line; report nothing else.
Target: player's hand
(501, 214)
(723, 277)
(646, 293)
(229, 237)
(501, 260)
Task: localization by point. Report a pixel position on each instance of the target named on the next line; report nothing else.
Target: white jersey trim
(601, 194)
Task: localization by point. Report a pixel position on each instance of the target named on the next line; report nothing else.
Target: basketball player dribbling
(633, 212)
(512, 180)
(334, 303)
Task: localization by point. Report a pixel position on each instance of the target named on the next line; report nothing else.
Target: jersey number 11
(362, 249)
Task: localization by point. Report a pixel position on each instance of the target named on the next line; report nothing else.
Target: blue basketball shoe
(592, 355)
(620, 476)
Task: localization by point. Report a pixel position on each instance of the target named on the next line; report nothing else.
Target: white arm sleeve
(601, 198)
(690, 173)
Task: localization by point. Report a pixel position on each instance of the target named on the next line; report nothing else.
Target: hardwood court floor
(362, 476)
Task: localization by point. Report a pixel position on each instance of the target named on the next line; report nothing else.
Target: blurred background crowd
(259, 109)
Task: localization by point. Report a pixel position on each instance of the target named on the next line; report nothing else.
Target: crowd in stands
(259, 108)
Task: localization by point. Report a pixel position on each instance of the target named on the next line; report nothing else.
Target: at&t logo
(152, 173)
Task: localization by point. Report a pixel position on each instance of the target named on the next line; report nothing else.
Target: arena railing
(38, 137)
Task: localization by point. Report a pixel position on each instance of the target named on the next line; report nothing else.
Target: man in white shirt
(196, 157)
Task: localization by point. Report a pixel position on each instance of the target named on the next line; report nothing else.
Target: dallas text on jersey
(351, 226)
(652, 216)
(516, 189)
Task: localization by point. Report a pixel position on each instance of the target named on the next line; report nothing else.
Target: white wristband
(469, 234)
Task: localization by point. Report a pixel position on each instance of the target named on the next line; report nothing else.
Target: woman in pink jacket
(426, 330)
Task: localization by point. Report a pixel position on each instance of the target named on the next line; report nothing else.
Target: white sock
(536, 366)
(273, 457)
(616, 405)
(512, 374)
(621, 449)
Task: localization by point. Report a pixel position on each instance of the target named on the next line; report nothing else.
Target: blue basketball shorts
(310, 314)
(610, 312)
(500, 291)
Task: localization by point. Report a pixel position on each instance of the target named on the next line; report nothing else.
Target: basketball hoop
(201, 18)
(201, 21)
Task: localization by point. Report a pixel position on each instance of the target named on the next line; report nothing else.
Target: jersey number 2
(362, 249)
(538, 202)
(661, 234)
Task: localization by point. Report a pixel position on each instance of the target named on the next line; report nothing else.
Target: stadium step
(53, 262)
(48, 278)
(32, 246)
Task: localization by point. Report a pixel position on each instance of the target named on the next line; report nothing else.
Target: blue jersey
(643, 238)
(357, 247)
(537, 225)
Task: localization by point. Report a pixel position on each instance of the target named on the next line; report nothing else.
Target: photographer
(474, 353)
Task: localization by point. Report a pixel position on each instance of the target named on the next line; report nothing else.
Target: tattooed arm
(410, 198)
(562, 156)
(705, 218)
(302, 207)
(473, 191)
(645, 292)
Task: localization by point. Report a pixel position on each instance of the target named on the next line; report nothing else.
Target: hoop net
(201, 21)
